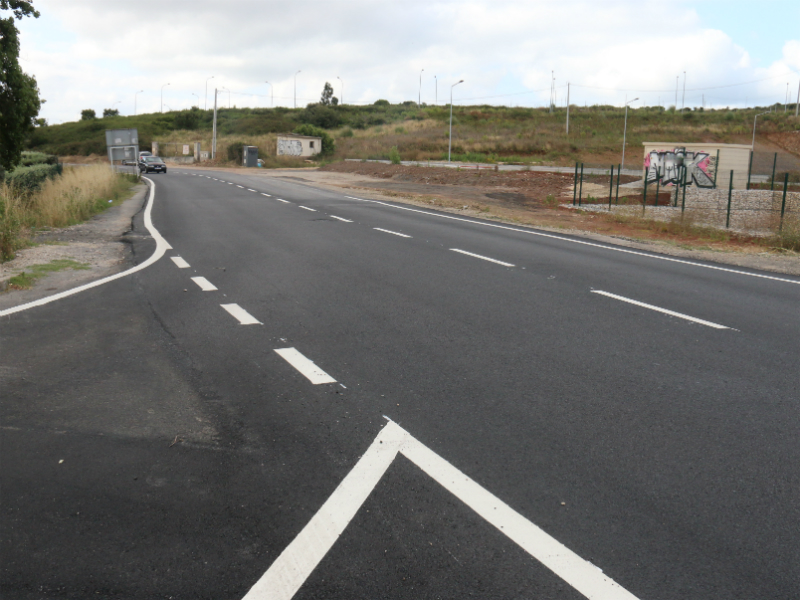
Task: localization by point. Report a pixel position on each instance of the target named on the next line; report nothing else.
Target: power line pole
(797, 104)
(683, 100)
(568, 108)
(677, 79)
(214, 129)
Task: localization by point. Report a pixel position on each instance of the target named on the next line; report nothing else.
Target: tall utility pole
(786, 103)
(552, 89)
(436, 83)
(214, 129)
(797, 104)
(683, 99)
(205, 98)
(342, 94)
(134, 100)
(295, 89)
(419, 95)
(271, 94)
(755, 119)
(450, 136)
(568, 108)
(625, 136)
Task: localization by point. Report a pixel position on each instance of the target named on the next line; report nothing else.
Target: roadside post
(772, 179)
(644, 193)
(730, 195)
(658, 189)
(580, 192)
(619, 172)
(610, 188)
(716, 169)
(575, 186)
(749, 170)
(783, 202)
(683, 202)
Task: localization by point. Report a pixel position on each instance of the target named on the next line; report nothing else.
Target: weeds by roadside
(25, 280)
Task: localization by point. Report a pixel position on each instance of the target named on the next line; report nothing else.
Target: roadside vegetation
(26, 279)
(54, 199)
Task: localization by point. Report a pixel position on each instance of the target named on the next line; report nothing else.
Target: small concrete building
(708, 165)
(292, 144)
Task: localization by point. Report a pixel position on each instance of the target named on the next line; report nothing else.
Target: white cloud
(90, 53)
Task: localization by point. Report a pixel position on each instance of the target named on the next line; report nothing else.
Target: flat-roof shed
(707, 164)
(292, 144)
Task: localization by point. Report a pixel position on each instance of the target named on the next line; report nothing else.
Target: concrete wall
(300, 145)
(661, 160)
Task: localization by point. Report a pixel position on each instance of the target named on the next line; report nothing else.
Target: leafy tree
(19, 94)
(187, 119)
(110, 112)
(328, 145)
(88, 114)
(327, 97)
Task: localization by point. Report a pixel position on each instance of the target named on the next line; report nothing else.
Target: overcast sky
(98, 53)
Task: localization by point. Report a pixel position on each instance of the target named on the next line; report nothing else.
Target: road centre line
(229, 183)
(249, 190)
(392, 232)
(306, 367)
(341, 219)
(239, 186)
(298, 560)
(311, 209)
(267, 195)
(161, 248)
(179, 262)
(282, 200)
(204, 284)
(672, 313)
(244, 317)
(499, 262)
(583, 243)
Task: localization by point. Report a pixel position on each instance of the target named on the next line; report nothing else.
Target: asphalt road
(153, 446)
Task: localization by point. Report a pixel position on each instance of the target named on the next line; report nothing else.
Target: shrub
(37, 158)
(347, 133)
(328, 145)
(187, 119)
(381, 103)
(320, 116)
(394, 155)
(29, 179)
(88, 114)
(110, 112)
(236, 151)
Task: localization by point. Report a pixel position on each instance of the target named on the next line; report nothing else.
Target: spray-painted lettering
(667, 167)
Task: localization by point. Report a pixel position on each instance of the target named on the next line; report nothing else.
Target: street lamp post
(295, 88)
(754, 129)
(134, 100)
(683, 98)
(198, 99)
(205, 98)
(271, 95)
(162, 96)
(115, 103)
(625, 134)
(450, 136)
(341, 100)
(419, 96)
(436, 88)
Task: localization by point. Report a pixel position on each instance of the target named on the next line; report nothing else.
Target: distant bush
(394, 155)
(320, 116)
(347, 133)
(381, 103)
(37, 158)
(31, 178)
(187, 119)
(110, 112)
(328, 145)
(88, 114)
(236, 151)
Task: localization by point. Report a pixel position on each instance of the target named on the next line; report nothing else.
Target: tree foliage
(328, 145)
(87, 114)
(327, 95)
(110, 112)
(19, 94)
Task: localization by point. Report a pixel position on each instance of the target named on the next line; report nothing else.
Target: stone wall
(750, 209)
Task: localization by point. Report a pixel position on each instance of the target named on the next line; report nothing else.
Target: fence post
(575, 185)
(658, 189)
(683, 202)
(783, 202)
(644, 194)
(610, 188)
(774, 164)
(749, 170)
(619, 172)
(730, 195)
(716, 169)
(580, 192)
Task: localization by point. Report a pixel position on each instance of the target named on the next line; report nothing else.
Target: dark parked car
(152, 163)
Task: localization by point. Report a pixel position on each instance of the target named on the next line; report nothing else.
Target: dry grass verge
(75, 196)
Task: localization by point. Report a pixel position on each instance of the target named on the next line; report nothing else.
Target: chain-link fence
(761, 200)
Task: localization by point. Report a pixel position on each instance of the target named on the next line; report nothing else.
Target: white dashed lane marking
(499, 262)
(307, 368)
(341, 219)
(282, 200)
(267, 195)
(306, 208)
(249, 190)
(182, 264)
(392, 232)
(237, 312)
(239, 186)
(671, 313)
(204, 284)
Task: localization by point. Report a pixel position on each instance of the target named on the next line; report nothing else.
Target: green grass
(25, 280)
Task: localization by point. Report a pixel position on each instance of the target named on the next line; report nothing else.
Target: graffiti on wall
(290, 147)
(667, 167)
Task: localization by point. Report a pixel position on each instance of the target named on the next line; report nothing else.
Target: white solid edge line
(267, 195)
(341, 219)
(180, 262)
(311, 209)
(241, 315)
(296, 563)
(672, 313)
(392, 232)
(204, 284)
(306, 367)
(581, 242)
(161, 248)
(499, 262)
